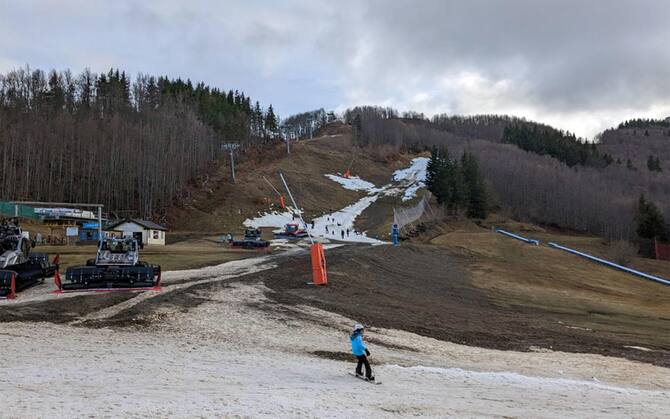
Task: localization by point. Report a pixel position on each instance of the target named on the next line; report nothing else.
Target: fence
(405, 216)
(662, 251)
(10, 210)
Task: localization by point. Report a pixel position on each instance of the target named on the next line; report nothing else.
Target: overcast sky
(579, 65)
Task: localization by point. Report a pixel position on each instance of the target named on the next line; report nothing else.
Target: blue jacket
(357, 345)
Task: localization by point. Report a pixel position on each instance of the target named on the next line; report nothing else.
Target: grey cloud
(581, 65)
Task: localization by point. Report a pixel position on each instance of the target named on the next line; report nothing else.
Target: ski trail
(339, 225)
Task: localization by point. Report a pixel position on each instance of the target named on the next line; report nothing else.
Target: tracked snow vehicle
(291, 231)
(17, 270)
(252, 241)
(115, 267)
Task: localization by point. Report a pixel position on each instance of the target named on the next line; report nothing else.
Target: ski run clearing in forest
(339, 225)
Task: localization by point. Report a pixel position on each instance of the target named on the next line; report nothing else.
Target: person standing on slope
(360, 352)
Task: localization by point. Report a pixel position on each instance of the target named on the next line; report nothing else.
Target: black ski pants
(363, 360)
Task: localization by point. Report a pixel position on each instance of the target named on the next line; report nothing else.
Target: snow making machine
(116, 267)
(17, 269)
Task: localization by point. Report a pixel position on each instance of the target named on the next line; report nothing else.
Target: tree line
(564, 146)
(642, 123)
(132, 145)
(599, 199)
(305, 124)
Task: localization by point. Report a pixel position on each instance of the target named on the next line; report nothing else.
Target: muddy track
(136, 310)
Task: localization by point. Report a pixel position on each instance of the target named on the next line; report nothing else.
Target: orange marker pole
(319, 274)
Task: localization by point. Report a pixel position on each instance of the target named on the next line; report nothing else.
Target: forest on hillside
(130, 145)
(542, 175)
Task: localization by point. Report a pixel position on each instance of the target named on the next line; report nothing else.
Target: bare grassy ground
(481, 289)
(189, 254)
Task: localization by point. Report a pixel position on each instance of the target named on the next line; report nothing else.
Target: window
(155, 235)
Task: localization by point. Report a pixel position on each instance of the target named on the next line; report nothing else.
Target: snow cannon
(116, 267)
(319, 272)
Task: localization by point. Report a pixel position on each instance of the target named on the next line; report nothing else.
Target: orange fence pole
(319, 273)
(281, 202)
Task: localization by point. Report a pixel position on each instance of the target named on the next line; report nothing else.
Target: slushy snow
(239, 354)
(332, 226)
(353, 183)
(414, 177)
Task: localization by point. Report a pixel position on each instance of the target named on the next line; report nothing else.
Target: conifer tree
(270, 123)
(650, 222)
(477, 199)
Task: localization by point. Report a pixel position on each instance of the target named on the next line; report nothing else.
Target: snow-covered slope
(238, 355)
(339, 225)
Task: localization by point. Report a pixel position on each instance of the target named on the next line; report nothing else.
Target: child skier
(360, 351)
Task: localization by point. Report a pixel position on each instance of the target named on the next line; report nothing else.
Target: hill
(535, 173)
(218, 205)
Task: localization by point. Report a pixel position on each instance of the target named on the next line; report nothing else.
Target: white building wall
(149, 236)
(155, 237)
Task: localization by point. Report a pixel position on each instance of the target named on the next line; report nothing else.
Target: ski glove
(367, 352)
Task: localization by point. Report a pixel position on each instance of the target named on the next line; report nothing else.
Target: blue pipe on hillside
(611, 264)
(514, 236)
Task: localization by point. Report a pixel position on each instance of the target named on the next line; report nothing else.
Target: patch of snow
(335, 225)
(411, 191)
(236, 355)
(415, 172)
(354, 183)
(413, 177)
(272, 219)
(513, 378)
(639, 348)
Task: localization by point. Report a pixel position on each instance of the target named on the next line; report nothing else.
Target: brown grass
(531, 276)
(189, 254)
(228, 205)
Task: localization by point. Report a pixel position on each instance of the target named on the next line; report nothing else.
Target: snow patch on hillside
(415, 172)
(339, 225)
(414, 177)
(354, 183)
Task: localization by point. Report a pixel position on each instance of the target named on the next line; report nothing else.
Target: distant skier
(360, 352)
(347, 232)
(342, 234)
(312, 224)
(326, 229)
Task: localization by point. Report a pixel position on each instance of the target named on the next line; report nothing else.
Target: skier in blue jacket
(360, 351)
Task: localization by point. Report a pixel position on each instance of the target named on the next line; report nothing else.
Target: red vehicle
(291, 231)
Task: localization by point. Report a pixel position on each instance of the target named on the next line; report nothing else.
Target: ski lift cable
(272, 186)
(296, 207)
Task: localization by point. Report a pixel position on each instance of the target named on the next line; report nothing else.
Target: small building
(145, 232)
